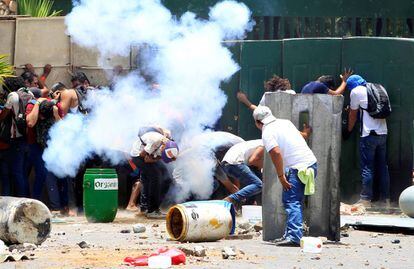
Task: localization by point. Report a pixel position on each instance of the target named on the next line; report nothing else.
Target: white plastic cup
(311, 244)
(252, 213)
(159, 262)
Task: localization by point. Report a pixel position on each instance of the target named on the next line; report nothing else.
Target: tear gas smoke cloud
(185, 56)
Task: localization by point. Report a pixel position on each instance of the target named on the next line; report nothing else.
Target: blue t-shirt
(315, 87)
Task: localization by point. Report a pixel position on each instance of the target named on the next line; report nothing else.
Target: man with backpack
(15, 107)
(372, 103)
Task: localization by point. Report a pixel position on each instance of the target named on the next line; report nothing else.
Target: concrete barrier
(7, 32)
(321, 210)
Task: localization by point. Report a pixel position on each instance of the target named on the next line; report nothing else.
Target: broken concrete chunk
(199, 251)
(258, 226)
(228, 253)
(139, 228)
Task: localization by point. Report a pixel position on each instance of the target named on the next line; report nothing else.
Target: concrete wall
(42, 41)
(321, 210)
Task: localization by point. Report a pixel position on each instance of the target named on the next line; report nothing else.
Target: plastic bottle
(311, 244)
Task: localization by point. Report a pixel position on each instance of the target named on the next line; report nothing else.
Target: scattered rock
(344, 234)
(60, 233)
(258, 226)
(396, 241)
(143, 237)
(340, 264)
(83, 244)
(126, 231)
(244, 226)
(139, 228)
(316, 258)
(22, 247)
(228, 253)
(376, 245)
(199, 251)
(155, 225)
(239, 236)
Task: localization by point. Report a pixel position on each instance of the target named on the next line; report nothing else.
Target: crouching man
(295, 165)
(153, 145)
(238, 163)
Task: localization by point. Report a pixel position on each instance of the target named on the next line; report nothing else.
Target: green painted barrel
(100, 194)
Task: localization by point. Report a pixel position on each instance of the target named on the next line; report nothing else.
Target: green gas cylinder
(100, 194)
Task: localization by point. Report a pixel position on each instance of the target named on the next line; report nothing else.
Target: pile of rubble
(8, 7)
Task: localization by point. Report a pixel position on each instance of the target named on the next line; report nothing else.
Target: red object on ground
(177, 257)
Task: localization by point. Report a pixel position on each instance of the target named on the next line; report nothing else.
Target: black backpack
(25, 96)
(379, 106)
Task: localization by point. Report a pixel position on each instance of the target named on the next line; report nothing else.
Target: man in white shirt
(372, 145)
(236, 164)
(289, 154)
(153, 145)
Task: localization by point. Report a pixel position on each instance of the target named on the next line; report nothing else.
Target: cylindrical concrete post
(23, 220)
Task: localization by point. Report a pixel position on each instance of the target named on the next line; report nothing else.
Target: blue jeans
(292, 201)
(35, 159)
(57, 189)
(4, 172)
(252, 183)
(373, 151)
(18, 153)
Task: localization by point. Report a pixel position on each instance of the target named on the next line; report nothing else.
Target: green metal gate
(387, 61)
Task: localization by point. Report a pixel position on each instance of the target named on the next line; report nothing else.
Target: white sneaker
(365, 203)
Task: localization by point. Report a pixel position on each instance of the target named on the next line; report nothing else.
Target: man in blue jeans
(372, 145)
(289, 154)
(236, 164)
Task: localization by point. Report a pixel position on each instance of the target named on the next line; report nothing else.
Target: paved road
(360, 250)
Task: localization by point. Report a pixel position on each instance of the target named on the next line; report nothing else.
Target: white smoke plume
(186, 58)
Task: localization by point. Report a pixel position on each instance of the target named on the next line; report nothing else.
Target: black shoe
(277, 240)
(287, 243)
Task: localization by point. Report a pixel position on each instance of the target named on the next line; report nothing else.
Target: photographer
(40, 116)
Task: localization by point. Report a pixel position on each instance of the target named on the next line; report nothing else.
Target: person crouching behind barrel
(150, 151)
(295, 165)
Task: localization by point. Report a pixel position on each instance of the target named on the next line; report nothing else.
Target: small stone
(258, 226)
(199, 251)
(125, 231)
(228, 253)
(396, 241)
(83, 244)
(344, 234)
(29, 246)
(143, 237)
(60, 233)
(139, 228)
(155, 225)
(340, 264)
(246, 226)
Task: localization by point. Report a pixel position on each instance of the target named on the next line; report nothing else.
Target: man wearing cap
(290, 155)
(372, 145)
(153, 144)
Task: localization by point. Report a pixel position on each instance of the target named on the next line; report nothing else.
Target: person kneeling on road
(153, 145)
(295, 165)
(236, 164)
